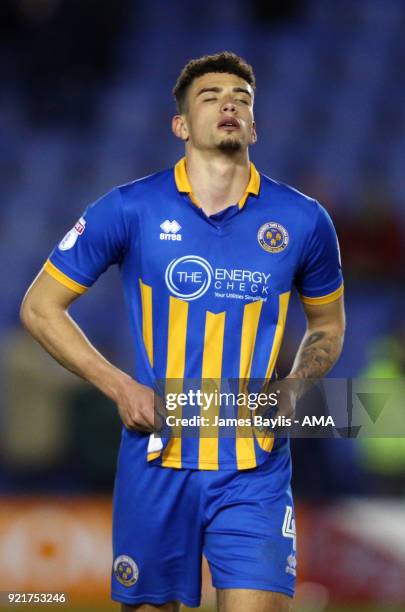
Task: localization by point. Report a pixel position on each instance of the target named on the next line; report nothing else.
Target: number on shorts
(289, 526)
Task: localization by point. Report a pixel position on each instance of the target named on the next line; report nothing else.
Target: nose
(228, 107)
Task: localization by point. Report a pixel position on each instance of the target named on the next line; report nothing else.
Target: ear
(253, 136)
(179, 127)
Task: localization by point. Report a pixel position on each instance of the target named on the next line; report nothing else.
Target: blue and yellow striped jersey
(207, 296)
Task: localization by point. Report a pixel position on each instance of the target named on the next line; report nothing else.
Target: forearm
(316, 355)
(59, 335)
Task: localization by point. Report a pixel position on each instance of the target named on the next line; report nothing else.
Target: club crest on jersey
(273, 237)
(126, 570)
(70, 239)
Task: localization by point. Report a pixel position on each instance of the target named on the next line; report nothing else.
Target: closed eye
(243, 101)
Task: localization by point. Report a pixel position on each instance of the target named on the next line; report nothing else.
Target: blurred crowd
(56, 53)
(85, 104)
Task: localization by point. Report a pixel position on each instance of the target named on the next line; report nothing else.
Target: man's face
(218, 115)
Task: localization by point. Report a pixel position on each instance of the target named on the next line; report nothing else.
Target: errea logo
(170, 230)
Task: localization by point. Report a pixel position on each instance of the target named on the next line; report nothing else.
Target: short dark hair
(219, 62)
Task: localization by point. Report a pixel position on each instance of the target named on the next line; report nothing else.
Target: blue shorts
(164, 519)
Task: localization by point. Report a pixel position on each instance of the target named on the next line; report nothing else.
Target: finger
(134, 426)
(160, 406)
(147, 414)
(136, 421)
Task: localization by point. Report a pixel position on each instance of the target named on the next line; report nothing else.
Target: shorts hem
(160, 598)
(255, 586)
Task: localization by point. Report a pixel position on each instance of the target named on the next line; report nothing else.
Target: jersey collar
(183, 184)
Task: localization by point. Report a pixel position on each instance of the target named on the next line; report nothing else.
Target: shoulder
(301, 210)
(159, 182)
(272, 190)
(143, 194)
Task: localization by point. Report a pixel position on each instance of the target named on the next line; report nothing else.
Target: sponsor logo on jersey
(70, 239)
(189, 277)
(170, 230)
(126, 570)
(273, 237)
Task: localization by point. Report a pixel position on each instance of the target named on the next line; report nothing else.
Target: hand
(138, 406)
(286, 391)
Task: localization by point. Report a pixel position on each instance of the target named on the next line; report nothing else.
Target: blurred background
(85, 104)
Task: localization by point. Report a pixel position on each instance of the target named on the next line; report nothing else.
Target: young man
(208, 252)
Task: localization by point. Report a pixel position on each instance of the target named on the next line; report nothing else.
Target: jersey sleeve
(319, 279)
(96, 242)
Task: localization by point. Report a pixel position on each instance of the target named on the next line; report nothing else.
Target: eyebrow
(219, 89)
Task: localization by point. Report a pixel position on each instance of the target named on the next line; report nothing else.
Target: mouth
(229, 124)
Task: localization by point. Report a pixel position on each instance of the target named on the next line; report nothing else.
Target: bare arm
(44, 313)
(323, 341)
(319, 350)
(320, 347)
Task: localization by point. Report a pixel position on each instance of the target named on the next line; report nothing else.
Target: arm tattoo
(317, 354)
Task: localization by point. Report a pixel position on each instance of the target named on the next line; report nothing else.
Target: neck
(217, 181)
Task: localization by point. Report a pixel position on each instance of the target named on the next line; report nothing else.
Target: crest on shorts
(126, 570)
(273, 237)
